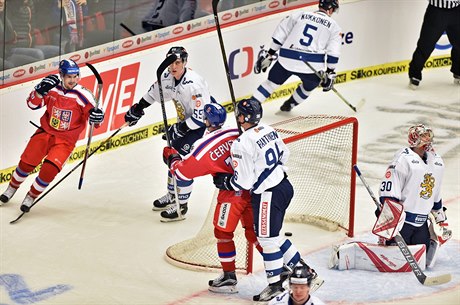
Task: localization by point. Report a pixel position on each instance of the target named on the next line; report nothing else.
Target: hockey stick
(91, 128)
(421, 277)
(71, 171)
(127, 29)
(224, 57)
(355, 109)
(165, 64)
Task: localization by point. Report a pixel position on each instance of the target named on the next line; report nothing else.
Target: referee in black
(440, 16)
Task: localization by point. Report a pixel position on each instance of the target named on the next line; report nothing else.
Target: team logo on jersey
(60, 119)
(388, 174)
(234, 164)
(427, 186)
(180, 110)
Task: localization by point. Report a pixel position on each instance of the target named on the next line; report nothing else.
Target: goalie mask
(420, 136)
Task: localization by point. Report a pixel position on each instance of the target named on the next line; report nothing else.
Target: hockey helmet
(301, 275)
(215, 113)
(180, 52)
(68, 66)
(328, 4)
(420, 136)
(250, 109)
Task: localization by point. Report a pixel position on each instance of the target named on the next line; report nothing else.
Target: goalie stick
(165, 64)
(421, 277)
(91, 128)
(224, 57)
(71, 171)
(355, 109)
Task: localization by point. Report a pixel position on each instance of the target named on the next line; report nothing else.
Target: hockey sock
(290, 254)
(227, 253)
(44, 178)
(20, 174)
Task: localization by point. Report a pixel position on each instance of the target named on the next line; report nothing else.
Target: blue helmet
(251, 109)
(68, 66)
(215, 113)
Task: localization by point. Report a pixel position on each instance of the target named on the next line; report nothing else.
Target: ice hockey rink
(103, 245)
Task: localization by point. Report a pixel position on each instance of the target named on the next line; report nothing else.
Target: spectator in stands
(440, 16)
(165, 13)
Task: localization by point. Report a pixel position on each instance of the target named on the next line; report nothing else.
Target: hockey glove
(439, 215)
(47, 84)
(176, 131)
(263, 62)
(222, 181)
(134, 114)
(328, 79)
(96, 116)
(170, 156)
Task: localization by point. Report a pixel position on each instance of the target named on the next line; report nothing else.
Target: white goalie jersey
(259, 156)
(189, 95)
(415, 182)
(303, 36)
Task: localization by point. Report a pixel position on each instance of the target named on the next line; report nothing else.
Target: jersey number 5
(307, 42)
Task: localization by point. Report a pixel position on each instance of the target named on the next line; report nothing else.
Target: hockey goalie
(382, 258)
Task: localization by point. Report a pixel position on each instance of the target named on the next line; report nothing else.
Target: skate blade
(172, 219)
(316, 284)
(223, 289)
(154, 208)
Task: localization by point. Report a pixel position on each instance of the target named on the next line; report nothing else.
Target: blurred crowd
(33, 30)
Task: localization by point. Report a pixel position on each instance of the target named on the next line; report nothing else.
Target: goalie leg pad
(431, 253)
(371, 257)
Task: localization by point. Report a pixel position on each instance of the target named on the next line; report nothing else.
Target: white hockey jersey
(189, 95)
(283, 299)
(415, 183)
(259, 156)
(304, 36)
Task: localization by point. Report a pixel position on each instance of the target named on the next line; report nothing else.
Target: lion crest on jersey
(427, 186)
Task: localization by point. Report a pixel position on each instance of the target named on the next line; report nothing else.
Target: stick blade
(437, 280)
(169, 60)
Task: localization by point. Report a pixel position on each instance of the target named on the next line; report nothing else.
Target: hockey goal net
(323, 151)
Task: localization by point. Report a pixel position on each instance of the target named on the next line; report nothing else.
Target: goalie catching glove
(47, 84)
(170, 156)
(264, 61)
(439, 215)
(222, 181)
(176, 131)
(327, 79)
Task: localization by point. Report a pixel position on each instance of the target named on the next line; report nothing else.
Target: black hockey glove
(96, 116)
(264, 61)
(134, 114)
(47, 84)
(176, 131)
(222, 181)
(328, 79)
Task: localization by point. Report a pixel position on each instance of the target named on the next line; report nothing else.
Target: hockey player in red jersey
(211, 155)
(69, 106)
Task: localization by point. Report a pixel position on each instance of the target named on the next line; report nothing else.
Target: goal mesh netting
(323, 150)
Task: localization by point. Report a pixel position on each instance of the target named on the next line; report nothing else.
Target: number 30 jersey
(307, 36)
(259, 156)
(415, 182)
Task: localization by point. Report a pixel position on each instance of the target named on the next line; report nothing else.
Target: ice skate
(269, 292)
(163, 203)
(171, 213)
(456, 79)
(288, 105)
(225, 283)
(27, 203)
(6, 196)
(316, 281)
(414, 83)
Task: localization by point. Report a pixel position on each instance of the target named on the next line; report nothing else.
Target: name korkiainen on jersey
(267, 138)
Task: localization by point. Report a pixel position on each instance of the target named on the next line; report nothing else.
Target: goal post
(323, 150)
